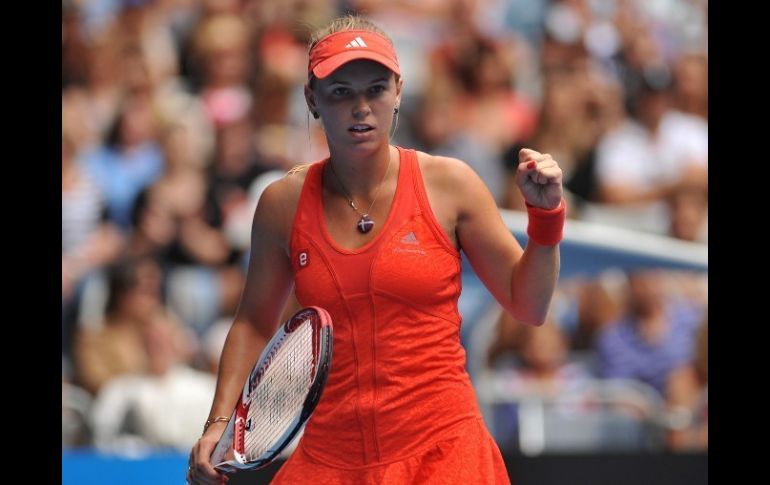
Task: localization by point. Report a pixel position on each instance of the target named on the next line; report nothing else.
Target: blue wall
(88, 467)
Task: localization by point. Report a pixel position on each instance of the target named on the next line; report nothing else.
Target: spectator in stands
(654, 336)
(235, 165)
(103, 86)
(221, 54)
(141, 27)
(544, 367)
(115, 346)
(475, 73)
(182, 218)
(588, 306)
(160, 407)
(130, 160)
(199, 279)
(89, 240)
(543, 370)
(182, 191)
(645, 160)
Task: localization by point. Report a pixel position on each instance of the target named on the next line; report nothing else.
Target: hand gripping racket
(280, 394)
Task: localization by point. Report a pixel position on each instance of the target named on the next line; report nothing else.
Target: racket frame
(322, 350)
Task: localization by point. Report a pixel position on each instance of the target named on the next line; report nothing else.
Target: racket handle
(224, 444)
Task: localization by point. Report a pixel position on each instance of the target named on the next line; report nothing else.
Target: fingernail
(531, 165)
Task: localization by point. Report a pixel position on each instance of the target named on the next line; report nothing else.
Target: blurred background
(176, 114)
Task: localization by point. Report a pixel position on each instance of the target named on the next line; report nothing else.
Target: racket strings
(278, 398)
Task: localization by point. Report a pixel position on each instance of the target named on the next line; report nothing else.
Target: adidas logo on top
(410, 238)
(357, 42)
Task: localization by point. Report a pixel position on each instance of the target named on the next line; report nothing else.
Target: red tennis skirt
(469, 456)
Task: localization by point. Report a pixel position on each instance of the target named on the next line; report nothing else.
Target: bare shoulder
(281, 192)
(443, 170)
(448, 175)
(278, 202)
(290, 185)
(452, 187)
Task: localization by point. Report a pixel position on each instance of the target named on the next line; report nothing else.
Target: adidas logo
(357, 42)
(410, 239)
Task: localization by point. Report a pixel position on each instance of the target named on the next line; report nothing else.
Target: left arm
(522, 280)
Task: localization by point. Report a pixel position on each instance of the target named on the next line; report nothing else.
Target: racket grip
(223, 445)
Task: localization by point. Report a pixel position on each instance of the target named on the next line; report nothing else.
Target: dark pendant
(365, 224)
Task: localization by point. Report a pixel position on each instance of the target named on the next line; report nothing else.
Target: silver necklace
(365, 223)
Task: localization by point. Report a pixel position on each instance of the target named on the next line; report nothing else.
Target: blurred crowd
(176, 114)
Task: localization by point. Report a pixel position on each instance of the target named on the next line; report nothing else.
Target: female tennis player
(373, 234)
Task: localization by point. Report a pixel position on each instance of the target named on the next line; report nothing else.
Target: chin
(365, 146)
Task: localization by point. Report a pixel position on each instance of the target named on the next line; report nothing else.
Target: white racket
(280, 394)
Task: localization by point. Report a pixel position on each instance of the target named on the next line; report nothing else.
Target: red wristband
(546, 227)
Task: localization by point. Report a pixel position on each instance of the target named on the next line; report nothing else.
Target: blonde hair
(347, 22)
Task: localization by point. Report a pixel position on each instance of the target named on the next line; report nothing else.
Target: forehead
(360, 70)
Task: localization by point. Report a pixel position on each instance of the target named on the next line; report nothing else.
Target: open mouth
(360, 128)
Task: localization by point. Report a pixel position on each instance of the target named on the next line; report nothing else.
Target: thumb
(526, 154)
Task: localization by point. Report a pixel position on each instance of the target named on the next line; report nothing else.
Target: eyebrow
(344, 83)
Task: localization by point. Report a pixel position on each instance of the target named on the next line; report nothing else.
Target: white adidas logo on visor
(357, 42)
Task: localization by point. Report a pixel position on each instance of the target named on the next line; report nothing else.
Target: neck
(361, 174)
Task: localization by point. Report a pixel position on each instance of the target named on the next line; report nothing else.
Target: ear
(310, 99)
(399, 88)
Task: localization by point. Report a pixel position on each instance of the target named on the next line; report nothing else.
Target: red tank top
(398, 381)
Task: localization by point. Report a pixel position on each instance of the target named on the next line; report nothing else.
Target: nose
(361, 107)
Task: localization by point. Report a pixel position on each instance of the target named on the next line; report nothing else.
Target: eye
(377, 89)
(340, 91)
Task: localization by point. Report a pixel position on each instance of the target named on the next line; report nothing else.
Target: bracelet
(211, 421)
(546, 227)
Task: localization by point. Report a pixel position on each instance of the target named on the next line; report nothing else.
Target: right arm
(268, 284)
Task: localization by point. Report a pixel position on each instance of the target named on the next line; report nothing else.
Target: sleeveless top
(397, 382)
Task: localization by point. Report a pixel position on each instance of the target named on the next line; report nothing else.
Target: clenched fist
(539, 179)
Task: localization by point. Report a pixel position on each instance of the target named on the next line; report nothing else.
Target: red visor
(336, 49)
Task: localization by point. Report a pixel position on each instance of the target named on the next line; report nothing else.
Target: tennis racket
(280, 394)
